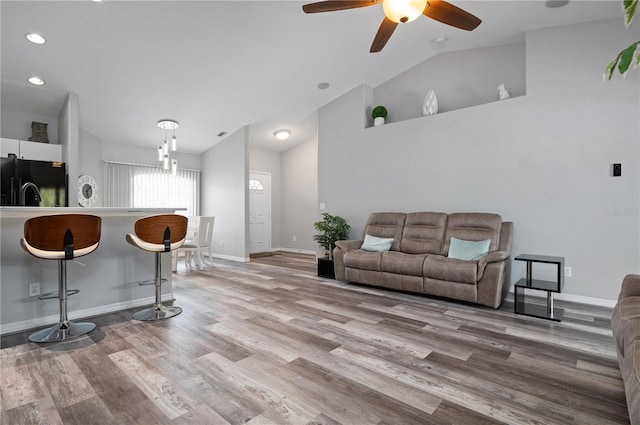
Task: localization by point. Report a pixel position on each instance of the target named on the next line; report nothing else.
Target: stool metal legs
(158, 311)
(64, 329)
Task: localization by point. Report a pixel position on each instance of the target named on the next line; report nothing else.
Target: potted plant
(379, 114)
(332, 228)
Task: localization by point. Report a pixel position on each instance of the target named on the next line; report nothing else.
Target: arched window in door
(255, 185)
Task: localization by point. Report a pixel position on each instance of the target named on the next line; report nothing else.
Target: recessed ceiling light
(282, 134)
(37, 81)
(323, 86)
(440, 40)
(35, 38)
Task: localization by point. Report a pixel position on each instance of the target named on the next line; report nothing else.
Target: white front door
(259, 212)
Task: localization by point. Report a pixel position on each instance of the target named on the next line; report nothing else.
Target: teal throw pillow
(468, 250)
(373, 243)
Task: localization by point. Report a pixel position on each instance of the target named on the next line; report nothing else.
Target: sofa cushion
(402, 263)
(423, 233)
(468, 250)
(373, 243)
(473, 227)
(625, 322)
(363, 260)
(450, 269)
(386, 225)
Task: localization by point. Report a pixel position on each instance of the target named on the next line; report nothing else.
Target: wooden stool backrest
(151, 229)
(47, 232)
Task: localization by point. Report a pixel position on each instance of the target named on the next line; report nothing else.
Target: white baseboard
(79, 314)
(296, 251)
(600, 302)
(232, 258)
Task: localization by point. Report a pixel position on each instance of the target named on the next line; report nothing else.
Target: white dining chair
(200, 243)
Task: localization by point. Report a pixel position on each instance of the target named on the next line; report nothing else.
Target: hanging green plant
(630, 55)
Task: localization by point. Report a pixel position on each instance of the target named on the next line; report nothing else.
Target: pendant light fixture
(167, 151)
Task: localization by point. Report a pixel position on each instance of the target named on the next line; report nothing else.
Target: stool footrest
(151, 282)
(56, 294)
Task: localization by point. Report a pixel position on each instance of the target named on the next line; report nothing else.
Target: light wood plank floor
(271, 343)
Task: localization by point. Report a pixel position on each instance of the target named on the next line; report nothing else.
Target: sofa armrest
(349, 245)
(338, 256)
(630, 286)
(491, 257)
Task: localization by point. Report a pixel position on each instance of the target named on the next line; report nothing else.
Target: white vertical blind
(142, 186)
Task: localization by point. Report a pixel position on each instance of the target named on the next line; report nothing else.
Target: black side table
(325, 268)
(551, 287)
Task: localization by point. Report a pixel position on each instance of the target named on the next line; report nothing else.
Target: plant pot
(378, 121)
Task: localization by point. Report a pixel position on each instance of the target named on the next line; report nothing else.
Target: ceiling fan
(401, 11)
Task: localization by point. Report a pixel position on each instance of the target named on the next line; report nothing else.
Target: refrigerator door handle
(13, 192)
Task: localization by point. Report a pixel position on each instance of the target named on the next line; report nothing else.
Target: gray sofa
(625, 323)
(417, 260)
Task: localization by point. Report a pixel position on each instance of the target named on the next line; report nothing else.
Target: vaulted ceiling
(216, 66)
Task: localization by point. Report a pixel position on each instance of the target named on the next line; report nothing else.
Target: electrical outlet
(294, 239)
(567, 271)
(34, 289)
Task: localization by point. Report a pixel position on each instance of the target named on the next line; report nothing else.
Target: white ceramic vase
(430, 105)
(378, 121)
(503, 93)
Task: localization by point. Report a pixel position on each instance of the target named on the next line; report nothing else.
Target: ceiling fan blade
(387, 27)
(329, 6)
(449, 14)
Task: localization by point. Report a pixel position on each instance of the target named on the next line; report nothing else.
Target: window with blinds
(142, 186)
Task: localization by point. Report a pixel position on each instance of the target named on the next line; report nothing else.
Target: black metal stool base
(62, 332)
(157, 312)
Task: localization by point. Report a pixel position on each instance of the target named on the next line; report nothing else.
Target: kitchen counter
(101, 212)
(107, 278)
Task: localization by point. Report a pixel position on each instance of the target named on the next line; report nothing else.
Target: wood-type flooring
(269, 342)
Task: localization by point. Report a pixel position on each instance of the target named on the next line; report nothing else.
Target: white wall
(133, 154)
(90, 161)
(300, 196)
(69, 137)
(224, 194)
(17, 124)
(541, 160)
(270, 162)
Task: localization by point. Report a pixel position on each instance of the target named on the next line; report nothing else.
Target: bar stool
(61, 237)
(158, 234)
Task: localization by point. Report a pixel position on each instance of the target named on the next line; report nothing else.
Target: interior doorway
(259, 212)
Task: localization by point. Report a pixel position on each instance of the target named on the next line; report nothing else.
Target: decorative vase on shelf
(430, 105)
(379, 113)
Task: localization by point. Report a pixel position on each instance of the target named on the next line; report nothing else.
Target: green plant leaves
(629, 9)
(624, 60)
(332, 228)
(630, 55)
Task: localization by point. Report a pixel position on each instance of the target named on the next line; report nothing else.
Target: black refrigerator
(33, 183)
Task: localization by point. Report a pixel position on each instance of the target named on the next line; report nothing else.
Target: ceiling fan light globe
(403, 11)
